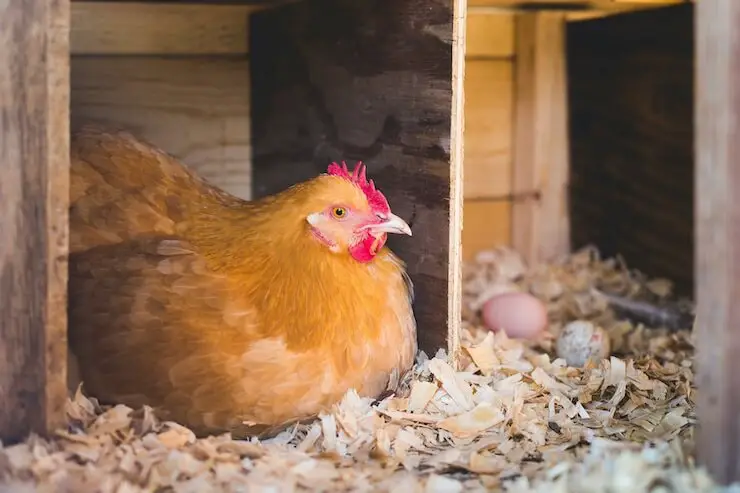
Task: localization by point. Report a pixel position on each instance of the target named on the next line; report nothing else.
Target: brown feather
(215, 310)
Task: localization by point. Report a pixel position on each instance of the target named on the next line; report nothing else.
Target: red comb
(375, 198)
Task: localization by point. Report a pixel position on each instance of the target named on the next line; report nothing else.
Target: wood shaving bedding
(515, 418)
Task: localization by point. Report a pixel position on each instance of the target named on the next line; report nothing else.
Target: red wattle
(365, 250)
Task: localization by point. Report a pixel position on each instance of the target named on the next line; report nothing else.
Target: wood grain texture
(457, 158)
(488, 128)
(631, 127)
(489, 97)
(256, 4)
(717, 236)
(34, 197)
(540, 223)
(607, 5)
(372, 81)
(112, 28)
(490, 36)
(487, 224)
(195, 108)
(569, 8)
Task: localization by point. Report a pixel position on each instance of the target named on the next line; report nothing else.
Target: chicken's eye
(339, 212)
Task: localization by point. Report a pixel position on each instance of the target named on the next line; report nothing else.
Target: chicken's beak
(393, 224)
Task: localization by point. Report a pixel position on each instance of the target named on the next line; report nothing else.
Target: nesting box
(620, 131)
(569, 129)
(255, 96)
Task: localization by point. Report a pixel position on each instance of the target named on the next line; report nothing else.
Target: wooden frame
(34, 196)
(424, 171)
(717, 172)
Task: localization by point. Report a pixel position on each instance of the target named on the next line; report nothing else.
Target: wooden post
(34, 196)
(717, 238)
(540, 226)
(371, 80)
(457, 148)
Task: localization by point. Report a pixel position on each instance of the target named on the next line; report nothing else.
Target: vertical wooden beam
(540, 227)
(34, 196)
(368, 80)
(717, 238)
(457, 152)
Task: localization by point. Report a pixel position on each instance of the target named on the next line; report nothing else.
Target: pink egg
(520, 315)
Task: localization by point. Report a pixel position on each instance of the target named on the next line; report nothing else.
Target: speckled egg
(520, 315)
(580, 341)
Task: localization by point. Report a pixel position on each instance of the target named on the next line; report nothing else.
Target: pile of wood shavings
(573, 289)
(515, 419)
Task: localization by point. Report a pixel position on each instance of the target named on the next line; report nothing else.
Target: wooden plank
(593, 4)
(34, 198)
(488, 128)
(110, 28)
(540, 224)
(594, 8)
(717, 237)
(255, 4)
(457, 161)
(587, 14)
(197, 109)
(631, 125)
(490, 36)
(487, 225)
(366, 80)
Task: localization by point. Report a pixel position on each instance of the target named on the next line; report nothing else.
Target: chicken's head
(354, 216)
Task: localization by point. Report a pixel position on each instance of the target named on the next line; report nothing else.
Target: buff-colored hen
(222, 313)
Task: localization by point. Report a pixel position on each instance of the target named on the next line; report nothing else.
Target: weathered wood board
(365, 80)
(137, 28)
(599, 5)
(717, 237)
(630, 91)
(489, 118)
(175, 74)
(488, 128)
(34, 196)
(195, 108)
(540, 223)
(257, 4)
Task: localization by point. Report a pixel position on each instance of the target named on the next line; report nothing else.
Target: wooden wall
(176, 74)
(489, 86)
(632, 154)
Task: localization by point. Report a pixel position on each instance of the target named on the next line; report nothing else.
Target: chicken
(222, 313)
